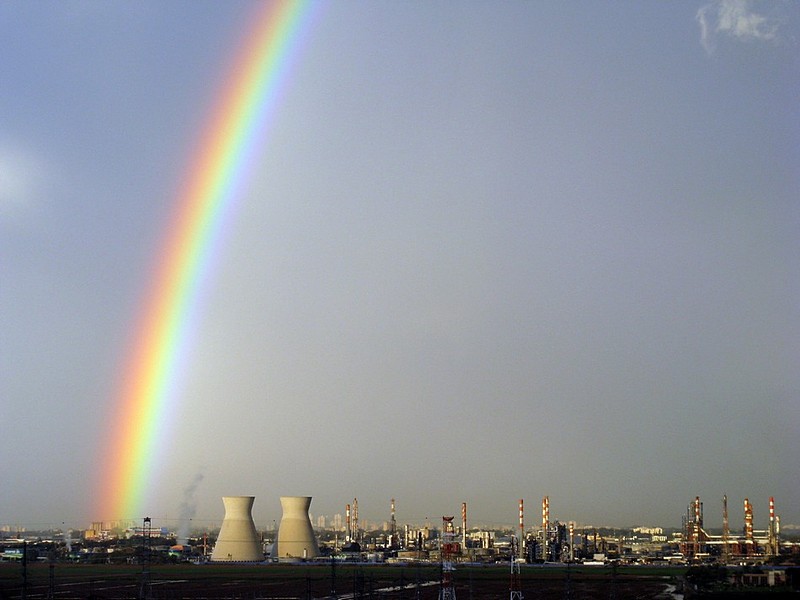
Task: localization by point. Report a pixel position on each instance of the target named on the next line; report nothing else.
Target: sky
(490, 251)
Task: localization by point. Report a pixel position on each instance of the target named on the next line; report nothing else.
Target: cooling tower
(238, 540)
(295, 535)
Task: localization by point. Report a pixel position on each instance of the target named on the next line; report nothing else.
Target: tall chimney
(464, 526)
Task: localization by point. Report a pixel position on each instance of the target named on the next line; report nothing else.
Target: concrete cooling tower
(238, 540)
(295, 536)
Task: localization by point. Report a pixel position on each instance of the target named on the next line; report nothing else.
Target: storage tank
(238, 540)
(296, 537)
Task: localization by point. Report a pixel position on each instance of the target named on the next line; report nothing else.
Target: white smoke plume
(735, 19)
(187, 509)
(21, 174)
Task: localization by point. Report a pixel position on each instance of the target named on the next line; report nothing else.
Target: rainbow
(230, 144)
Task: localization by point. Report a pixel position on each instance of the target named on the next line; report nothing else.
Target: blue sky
(491, 251)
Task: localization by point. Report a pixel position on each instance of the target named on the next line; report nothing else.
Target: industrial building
(547, 541)
(238, 540)
(698, 544)
(295, 537)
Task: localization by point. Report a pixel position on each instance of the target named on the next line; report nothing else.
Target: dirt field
(306, 582)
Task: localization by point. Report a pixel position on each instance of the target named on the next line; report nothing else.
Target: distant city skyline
(485, 252)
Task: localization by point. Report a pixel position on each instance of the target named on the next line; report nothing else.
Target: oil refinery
(550, 540)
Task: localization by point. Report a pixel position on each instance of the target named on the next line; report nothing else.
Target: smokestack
(773, 528)
(355, 518)
(238, 540)
(725, 530)
(295, 535)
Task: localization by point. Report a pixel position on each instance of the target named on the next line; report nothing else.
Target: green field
(305, 581)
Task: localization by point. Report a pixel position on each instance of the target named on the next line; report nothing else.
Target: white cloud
(21, 175)
(735, 19)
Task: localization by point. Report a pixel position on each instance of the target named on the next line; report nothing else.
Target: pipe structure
(296, 537)
(521, 528)
(238, 540)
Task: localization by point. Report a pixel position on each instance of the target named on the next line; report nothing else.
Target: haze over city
(489, 251)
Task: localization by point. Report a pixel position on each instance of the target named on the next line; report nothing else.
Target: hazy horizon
(491, 251)
(267, 518)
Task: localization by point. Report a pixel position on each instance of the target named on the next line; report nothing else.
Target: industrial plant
(439, 551)
(547, 541)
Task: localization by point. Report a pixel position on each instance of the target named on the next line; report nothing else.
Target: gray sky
(492, 251)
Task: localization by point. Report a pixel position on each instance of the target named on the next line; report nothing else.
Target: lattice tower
(448, 549)
(515, 586)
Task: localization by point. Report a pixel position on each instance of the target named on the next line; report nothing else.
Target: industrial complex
(548, 540)
(298, 560)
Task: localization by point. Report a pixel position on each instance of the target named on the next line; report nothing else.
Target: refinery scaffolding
(393, 542)
(749, 541)
(698, 545)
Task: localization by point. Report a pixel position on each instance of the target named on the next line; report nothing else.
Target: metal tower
(516, 586)
(145, 591)
(448, 548)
